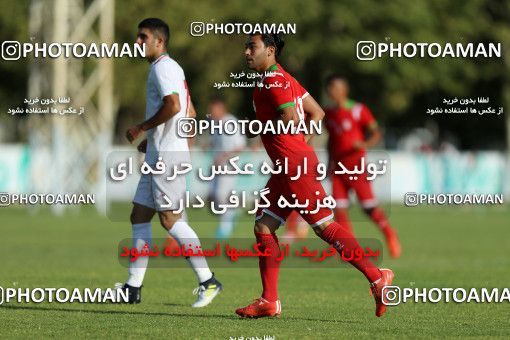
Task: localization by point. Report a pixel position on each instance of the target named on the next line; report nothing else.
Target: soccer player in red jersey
(279, 96)
(348, 123)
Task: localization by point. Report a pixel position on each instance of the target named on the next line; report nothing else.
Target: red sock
(342, 239)
(377, 215)
(342, 218)
(269, 266)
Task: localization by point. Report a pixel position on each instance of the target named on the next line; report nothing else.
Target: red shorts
(306, 187)
(342, 184)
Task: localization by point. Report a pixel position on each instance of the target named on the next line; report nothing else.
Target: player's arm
(282, 99)
(374, 135)
(171, 106)
(314, 113)
(142, 147)
(288, 114)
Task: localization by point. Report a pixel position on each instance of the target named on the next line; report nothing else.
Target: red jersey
(277, 91)
(346, 126)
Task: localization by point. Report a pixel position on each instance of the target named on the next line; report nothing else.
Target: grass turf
(442, 247)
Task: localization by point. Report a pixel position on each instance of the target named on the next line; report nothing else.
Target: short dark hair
(336, 76)
(275, 40)
(158, 27)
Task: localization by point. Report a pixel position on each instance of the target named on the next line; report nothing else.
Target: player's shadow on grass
(176, 305)
(115, 312)
(232, 317)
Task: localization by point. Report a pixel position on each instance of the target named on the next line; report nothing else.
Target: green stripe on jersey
(285, 105)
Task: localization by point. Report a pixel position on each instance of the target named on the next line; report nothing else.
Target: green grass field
(442, 247)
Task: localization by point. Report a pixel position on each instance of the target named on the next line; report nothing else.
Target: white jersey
(166, 77)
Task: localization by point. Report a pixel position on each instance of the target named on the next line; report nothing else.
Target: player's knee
(167, 224)
(136, 217)
(320, 228)
(259, 227)
(132, 217)
(264, 228)
(140, 214)
(168, 219)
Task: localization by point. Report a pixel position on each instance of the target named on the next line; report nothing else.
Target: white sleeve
(167, 81)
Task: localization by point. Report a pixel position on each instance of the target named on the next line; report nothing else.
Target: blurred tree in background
(398, 90)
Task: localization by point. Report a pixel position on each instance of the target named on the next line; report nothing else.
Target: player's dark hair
(275, 40)
(158, 27)
(336, 76)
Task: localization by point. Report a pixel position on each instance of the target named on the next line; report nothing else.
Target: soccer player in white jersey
(168, 100)
(224, 146)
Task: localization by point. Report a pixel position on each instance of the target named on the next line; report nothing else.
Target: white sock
(227, 222)
(183, 233)
(142, 234)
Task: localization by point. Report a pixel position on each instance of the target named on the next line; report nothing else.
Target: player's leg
(182, 232)
(265, 233)
(377, 215)
(343, 240)
(371, 208)
(291, 226)
(339, 237)
(141, 216)
(334, 233)
(268, 220)
(295, 227)
(178, 228)
(224, 184)
(340, 191)
(268, 305)
(227, 223)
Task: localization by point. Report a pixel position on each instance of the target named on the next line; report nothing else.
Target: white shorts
(152, 189)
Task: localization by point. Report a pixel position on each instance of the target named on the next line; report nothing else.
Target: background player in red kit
(281, 97)
(353, 129)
